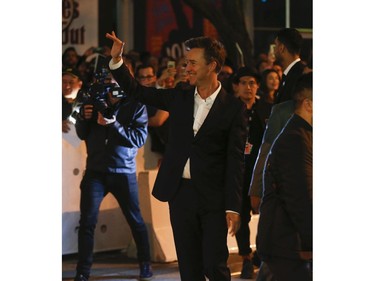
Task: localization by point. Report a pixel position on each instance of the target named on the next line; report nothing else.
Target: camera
(97, 92)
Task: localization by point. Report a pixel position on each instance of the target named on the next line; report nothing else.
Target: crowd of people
(233, 142)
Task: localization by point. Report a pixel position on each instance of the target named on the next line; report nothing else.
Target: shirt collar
(290, 66)
(212, 97)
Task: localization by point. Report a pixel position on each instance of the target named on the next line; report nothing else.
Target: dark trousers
(243, 234)
(264, 273)
(94, 187)
(200, 237)
(290, 270)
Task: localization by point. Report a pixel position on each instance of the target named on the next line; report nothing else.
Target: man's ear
(281, 48)
(212, 66)
(308, 105)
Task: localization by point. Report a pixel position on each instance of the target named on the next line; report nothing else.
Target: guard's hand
(233, 223)
(105, 121)
(117, 47)
(87, 111)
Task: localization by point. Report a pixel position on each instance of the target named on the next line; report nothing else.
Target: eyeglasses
(148, 77)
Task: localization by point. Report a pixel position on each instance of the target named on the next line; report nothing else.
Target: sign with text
(79, 24)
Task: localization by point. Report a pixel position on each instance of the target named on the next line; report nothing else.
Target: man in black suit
(202, 170)
(288, 44)
(284, 239)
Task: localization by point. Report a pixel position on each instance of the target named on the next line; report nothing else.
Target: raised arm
(117, 47)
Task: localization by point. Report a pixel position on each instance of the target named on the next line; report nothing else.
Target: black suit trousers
(284, 269)
(200, 236)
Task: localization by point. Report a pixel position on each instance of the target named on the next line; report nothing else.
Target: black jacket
(285, 222)
(286, 90)
(216, 152)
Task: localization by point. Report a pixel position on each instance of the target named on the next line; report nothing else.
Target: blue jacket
(113, 148)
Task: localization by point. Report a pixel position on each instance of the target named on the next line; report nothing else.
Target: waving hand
(117, 47)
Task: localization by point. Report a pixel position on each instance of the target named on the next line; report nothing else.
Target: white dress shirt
(201, 109)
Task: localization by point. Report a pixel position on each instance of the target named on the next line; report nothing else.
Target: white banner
(80, 24)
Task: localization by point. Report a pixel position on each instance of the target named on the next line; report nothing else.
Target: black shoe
(145, 271)
(247, 271)
(81, 277)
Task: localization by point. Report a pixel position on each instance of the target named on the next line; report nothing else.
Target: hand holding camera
(65, 126)
(105, 121)
(87, 111)
(95, 96)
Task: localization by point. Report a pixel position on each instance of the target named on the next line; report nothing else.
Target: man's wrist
(115, 63)
(116, 59)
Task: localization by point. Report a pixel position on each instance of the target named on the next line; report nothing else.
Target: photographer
(113, 128)
(71, 84)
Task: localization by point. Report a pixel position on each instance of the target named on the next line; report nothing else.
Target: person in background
(269, 86)
(71, 84)
(263, 63)
(225, 76)
(288, 45)
(181, 74)
(246, 84)
(276, 66)
(145, 75)
(202, 169)
(166, 77)
(70, 58)
(285, 237)
(147, 58)
(113, 131)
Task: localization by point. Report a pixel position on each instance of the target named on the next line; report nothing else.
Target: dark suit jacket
(286, 90)
(285, 222)
(216, 152)
(280, 115)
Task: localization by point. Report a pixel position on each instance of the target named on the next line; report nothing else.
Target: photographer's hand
(87, 111)
(65, 126)
(117, 47)
(105, 121)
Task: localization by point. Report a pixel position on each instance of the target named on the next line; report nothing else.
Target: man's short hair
(213, 50)
(143, 66)
(292, 39)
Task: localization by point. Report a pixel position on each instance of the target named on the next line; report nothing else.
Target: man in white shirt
(202, 170)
